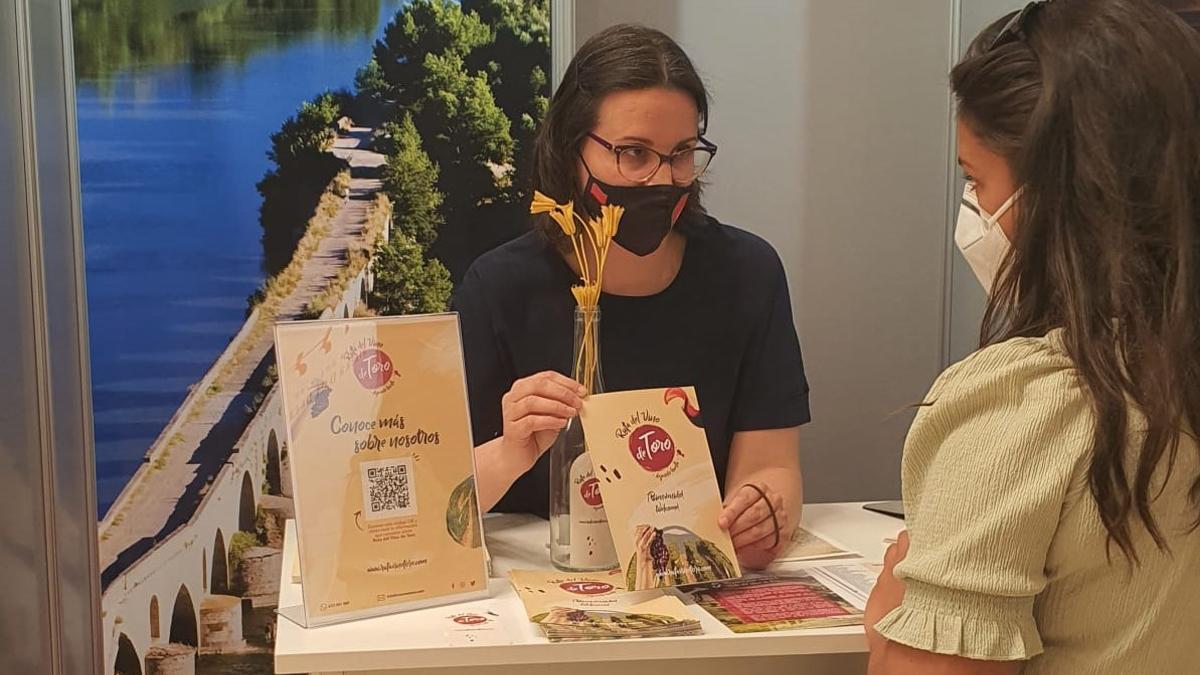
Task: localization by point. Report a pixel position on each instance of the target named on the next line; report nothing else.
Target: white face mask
(980, 238)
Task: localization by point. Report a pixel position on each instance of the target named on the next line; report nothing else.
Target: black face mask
(650, 211)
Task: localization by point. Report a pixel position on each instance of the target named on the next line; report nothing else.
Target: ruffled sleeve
(988, 465)
(973, 625)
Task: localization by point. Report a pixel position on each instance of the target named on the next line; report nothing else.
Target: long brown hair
(1096, 107)
(619, 58)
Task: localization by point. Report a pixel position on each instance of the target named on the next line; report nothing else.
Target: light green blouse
(1007, 560)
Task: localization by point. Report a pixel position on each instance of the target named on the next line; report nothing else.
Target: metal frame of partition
(50, 579)
(953, 198)
(562, 38)
(965, 299)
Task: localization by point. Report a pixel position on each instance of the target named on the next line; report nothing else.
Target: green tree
(516, 62)
(308, 134)
(473, 78)
(421, 28)
(410, 181)
(239, 544)
(302, 171)
(465, 132)
(406, 282)
(370, 83)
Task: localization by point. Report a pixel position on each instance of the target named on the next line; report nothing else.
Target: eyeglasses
(638, 163)
(1017, 27)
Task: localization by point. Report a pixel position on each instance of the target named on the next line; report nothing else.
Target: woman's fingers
(551, 385)
(753, 517)
(897, 551)
(737, 504)
(763, 530)
(531, 424)
(538, 405)
(748, 508)
(759, 512)
(764, 535)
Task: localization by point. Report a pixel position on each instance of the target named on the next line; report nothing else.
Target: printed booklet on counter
(660, 493)
(576, 607)
(785, 600)
(382, 464)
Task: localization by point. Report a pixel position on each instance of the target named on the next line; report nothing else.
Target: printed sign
(382, 465)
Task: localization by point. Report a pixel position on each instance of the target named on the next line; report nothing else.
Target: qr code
(388, 489)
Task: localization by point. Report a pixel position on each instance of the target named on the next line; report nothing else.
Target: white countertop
(414, 640)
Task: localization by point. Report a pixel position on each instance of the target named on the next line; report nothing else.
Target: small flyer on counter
(575, 607)
(665, 616)
(540, 590)
(853, 580)
(781, 601)
(474, 625)
(379, 439)
(804, 545)
(659, 487)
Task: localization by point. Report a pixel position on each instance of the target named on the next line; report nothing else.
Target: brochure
(804, 545)
(574, 607)
(656, 477)
(853, 580)
(780, 601)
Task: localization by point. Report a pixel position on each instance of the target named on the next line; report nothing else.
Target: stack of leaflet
(581, 607)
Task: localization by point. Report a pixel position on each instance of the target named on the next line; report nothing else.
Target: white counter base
(402, 643)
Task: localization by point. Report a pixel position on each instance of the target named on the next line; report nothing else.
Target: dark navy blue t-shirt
(724, 325)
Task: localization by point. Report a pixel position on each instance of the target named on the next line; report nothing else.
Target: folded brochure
(660, 493)
(576, 607)
(804, 545)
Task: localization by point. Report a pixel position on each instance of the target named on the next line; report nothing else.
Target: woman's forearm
(769, 458)
(495, 472)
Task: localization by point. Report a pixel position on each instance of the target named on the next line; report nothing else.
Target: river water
(176, 102)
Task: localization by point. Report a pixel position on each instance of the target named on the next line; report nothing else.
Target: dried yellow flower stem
(599, 233)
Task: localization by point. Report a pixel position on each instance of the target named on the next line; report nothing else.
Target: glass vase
(579, 536)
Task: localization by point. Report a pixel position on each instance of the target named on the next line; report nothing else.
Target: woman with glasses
(1052, 479)
(686, 300)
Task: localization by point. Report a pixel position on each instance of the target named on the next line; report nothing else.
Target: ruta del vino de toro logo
(652, 447)
(590, 492)
(373, 368)
(469, 619)
(587, 587)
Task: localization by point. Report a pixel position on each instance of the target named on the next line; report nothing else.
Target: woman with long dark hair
(686, 299)
(1052, 479)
